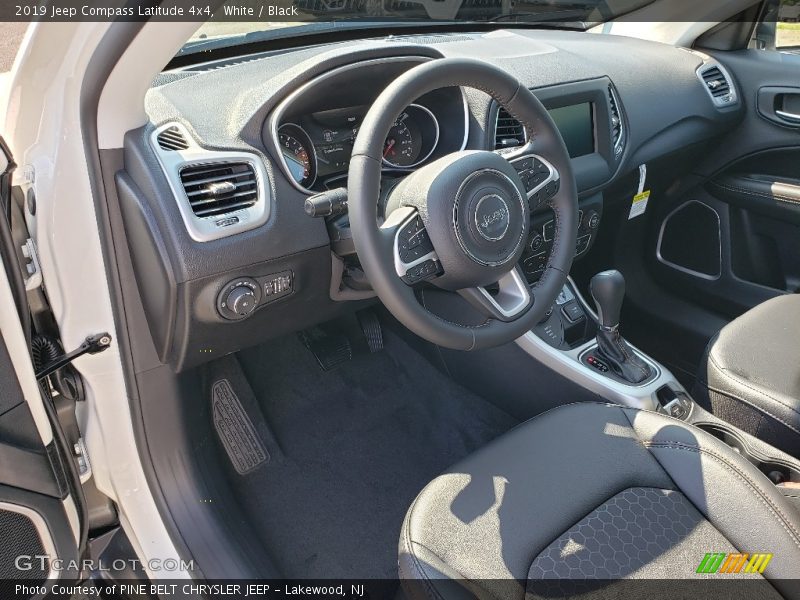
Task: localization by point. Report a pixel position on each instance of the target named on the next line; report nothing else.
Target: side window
(779, 28)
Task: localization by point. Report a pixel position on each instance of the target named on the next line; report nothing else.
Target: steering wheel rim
(376, 244)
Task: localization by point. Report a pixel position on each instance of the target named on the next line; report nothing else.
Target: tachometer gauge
(412, 138)
(298, 153)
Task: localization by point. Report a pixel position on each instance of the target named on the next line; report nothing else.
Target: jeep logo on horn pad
(491, 217)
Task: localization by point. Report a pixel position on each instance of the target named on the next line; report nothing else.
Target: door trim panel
(681, 268)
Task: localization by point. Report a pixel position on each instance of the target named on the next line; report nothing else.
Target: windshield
(241, 21)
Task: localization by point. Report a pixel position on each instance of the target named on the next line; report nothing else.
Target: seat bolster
(729, 491)
(754, 360)
(770, 403)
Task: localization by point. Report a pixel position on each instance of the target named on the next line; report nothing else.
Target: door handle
(780, 105)
(788, 116)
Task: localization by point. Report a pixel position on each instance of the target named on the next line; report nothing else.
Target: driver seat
(595, 492)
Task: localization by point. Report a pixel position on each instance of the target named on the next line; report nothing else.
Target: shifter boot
(620, 357)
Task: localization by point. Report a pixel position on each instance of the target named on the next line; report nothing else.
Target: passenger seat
(750, 374)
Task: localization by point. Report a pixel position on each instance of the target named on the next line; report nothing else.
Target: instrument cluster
(316, 147)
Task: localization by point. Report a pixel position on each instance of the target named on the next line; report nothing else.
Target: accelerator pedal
(371, 328)
(330, 349)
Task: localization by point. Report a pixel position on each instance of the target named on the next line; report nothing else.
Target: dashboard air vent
(220, 188)
(715, 82)
(172, 138)
(718, 84)
(509, 132)
(617, 127)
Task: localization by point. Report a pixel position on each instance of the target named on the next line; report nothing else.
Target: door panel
(750, 186)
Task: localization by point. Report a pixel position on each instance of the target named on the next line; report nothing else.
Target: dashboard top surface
(652, 78)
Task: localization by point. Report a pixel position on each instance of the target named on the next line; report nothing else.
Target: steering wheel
(461, 222)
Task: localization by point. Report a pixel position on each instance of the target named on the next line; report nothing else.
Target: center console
(565, 340)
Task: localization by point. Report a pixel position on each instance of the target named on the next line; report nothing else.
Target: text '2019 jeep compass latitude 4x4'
(401, 299)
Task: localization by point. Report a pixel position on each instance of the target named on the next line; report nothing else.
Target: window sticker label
(639, 204)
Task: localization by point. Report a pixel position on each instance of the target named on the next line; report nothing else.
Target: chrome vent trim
(508, 132)
(718, 83)
(218, 192)
(172, 139)
(215, 189)
(617, 121)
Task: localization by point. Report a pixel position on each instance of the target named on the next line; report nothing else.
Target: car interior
(444, 302)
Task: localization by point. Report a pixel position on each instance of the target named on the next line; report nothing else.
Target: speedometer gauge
(412, 138)
(298, 154)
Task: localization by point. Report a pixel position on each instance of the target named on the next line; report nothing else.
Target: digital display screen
(333, 133)
(575, 124)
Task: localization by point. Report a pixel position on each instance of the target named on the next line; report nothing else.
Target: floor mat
(356, 445)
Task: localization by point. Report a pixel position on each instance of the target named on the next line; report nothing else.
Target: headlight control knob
(239, 298)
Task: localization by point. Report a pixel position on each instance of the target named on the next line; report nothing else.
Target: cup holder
(776, 469)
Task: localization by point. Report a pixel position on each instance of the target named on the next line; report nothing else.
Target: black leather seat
(593, 491)
(750, 375)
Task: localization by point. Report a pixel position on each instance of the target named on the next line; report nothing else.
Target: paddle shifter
(608, 291)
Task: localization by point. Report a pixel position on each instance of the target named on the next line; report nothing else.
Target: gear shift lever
(608, 291)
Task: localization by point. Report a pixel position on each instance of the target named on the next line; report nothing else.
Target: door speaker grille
(21, 538)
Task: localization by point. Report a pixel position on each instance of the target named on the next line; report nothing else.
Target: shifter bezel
(567, 362)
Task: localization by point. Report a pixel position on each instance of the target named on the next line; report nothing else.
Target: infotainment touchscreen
(576, 127)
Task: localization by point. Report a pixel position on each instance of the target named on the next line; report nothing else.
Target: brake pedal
(330, 350)
(371, 328)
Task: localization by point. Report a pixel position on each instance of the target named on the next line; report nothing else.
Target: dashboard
(212, 192)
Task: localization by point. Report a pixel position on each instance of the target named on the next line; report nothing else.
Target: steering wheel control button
(521, 165)
(238, 299)
(536, 243)
(413, 241)
(538, 176)
(535, 265)
(423, 271)
(549, 230)
(415, 258)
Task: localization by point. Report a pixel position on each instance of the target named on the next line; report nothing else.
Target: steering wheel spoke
(540, 178)
(415, 259)
(511, 300)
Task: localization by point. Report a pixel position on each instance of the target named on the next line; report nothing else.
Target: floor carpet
(349, 450)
